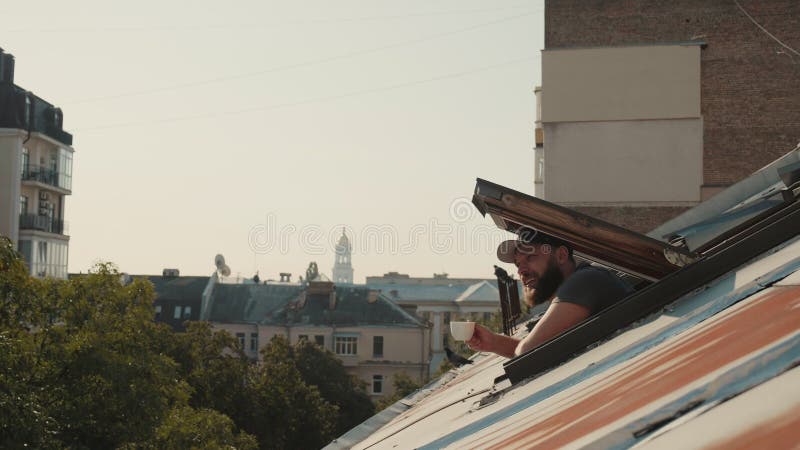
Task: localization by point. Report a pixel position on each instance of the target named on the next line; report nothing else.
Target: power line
(765, 30)
(308, 101)
(298, 65)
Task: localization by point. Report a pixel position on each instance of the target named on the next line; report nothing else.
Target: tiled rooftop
(287, 304)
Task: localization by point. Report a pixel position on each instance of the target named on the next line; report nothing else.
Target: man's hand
(484, 340)
(481, 339)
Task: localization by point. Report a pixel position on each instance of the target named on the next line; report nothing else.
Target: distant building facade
(648, 108)
(372, 336)
(35, 176)
(438, 300)
(178, 299)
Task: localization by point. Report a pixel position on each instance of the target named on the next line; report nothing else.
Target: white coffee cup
(462, 331)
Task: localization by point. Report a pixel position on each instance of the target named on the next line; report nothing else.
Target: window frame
(253, 342)
(240, 337)
(345, 345)
(376, 342)
(379, 380)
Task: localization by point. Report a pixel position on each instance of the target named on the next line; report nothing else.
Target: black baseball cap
(526, 242)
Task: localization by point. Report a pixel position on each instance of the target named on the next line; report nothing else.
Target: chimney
(170, 273)
(286, 277)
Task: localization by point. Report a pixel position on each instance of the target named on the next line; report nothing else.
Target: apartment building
(35, 176)
(372, 336)
(648, 108)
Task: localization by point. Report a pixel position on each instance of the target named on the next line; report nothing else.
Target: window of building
(49, 259)
(23, 205)
(65, 168)
(240, 338)
(447, 318)
(42, 259)
(302, 338)
(187, 312)
(253, 342)
(346, 345)
(177, 314)
(377, 384)
(158, 312)
(320, 340)
(26, 250)
(445, 340)
(26, 157)
(377, 346)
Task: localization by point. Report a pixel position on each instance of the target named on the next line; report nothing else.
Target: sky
(261, 129)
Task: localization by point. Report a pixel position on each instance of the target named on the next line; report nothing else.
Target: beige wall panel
(624, 161)
(647, 82)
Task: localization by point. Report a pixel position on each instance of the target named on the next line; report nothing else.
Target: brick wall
(639, 219)
(750, 85)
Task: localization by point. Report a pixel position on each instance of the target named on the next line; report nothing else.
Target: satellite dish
(222, 268)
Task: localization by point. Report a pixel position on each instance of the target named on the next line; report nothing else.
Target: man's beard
(548, 283)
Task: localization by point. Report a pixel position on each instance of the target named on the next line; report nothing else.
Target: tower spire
(342, 267)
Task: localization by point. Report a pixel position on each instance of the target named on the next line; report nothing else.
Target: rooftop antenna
(222, 268)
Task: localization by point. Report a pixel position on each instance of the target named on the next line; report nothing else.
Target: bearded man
(548, 271)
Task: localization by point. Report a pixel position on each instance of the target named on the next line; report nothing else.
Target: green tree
(188, 428)
(24, 408)
(321, 368)
(79, 367)
(285, 411)
(213, 366)
(115, 387)
(83, 365)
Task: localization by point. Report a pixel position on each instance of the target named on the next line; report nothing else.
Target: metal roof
(708, 359)
(415, 293)
(639, 386)
(478, 293)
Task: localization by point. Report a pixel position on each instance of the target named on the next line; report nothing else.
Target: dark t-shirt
(593, 287)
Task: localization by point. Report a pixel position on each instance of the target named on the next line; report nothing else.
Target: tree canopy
(83, 365)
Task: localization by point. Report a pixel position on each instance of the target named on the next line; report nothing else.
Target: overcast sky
(259, 129)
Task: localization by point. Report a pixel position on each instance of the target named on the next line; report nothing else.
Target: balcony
(41, 174)
(41, 223)
(45, 175)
